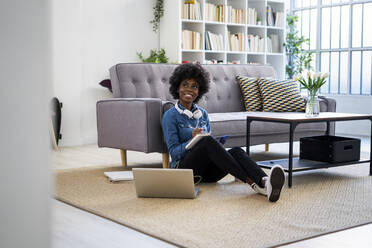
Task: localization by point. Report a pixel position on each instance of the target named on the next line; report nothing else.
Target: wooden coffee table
(291, 164)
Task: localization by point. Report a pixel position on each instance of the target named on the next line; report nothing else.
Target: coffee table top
(301, 117)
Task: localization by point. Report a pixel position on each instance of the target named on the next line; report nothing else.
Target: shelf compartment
(304, 164)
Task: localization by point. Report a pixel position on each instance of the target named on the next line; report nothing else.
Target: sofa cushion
(251, 93)
(234, 124)
(281, 95)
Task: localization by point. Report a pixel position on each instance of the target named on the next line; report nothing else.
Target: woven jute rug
(228, 213)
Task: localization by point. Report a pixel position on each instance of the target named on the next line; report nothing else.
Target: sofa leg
(165, 160)
(266, 147)
(123, 155)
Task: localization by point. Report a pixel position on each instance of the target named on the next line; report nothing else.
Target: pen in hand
(196, 131)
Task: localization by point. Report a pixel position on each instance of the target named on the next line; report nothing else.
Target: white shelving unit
(172, 25)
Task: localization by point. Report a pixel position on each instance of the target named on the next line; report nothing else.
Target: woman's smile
(188, 92)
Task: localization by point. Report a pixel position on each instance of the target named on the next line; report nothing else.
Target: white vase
(312, 105)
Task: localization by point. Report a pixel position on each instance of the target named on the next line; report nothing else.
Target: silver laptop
(167, 183)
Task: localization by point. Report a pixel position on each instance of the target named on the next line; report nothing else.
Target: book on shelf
(214, 13)
(255, 43)
(269, 47)
(213, 41)
(273, 18)
(252, 16)
(214, 61)
(235, 15)
(191, 40)
(236, 42)
(207, 42)
(278, 19)
(269, 16)
(191, 10)
(234, 62)
(275, 43)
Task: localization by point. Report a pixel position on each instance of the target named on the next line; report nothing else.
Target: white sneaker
(275, 183)
(258, 189)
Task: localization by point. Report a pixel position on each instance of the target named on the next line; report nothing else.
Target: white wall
(354, 104)
(90, 36)
(24, 127)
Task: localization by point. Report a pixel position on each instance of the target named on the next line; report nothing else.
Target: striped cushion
(281, 95)
(250, 92)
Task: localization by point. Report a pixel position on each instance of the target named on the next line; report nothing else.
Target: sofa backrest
(138, 80)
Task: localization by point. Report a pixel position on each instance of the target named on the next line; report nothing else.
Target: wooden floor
(72, 227)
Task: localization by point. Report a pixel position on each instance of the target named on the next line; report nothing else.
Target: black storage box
(332, 149)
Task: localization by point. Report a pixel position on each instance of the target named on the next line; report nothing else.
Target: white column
(24, 124)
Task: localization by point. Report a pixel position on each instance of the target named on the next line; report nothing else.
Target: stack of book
(273, 45)
(191, 40)
(252, 16)
(214, 13)
(214, 61)
(236, 42)
(213, 41)
(191, 10)
(236, 15)
(278, 19)
(234, 62)
(273, 18)
(255, 43)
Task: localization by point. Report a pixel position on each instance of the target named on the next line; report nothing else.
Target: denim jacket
(177, 130)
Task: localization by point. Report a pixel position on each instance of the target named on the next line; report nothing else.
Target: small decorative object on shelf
(312, 82)
(258, 21)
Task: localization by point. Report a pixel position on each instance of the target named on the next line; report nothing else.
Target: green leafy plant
(298, 59)
(158, 14)
(156, 56)
(258, 20)
(312, 81)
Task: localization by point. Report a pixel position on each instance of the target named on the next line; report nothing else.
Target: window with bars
(341, 39)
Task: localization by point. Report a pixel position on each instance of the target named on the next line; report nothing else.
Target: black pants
(209, 159)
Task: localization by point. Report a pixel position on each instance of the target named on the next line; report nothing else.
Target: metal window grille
(342, 42)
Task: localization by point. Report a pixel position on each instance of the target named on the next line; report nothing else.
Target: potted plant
(158, 14)
(312, 83)
(298, 59)
(156, 56)
(258, 21)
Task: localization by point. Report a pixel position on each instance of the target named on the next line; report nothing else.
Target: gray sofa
(132, 119)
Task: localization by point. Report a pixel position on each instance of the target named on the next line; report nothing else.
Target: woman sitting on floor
(208, 158)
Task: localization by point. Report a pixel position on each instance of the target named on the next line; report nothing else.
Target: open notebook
(115, 176)
(198, 137)
(195, 140)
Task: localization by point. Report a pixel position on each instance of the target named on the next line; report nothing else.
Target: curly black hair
(189, 71)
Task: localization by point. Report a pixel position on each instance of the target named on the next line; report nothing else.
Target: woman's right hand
(196, 131)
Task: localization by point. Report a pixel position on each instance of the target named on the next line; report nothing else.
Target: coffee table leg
(292, 127)
(248, 136)
(328, 127)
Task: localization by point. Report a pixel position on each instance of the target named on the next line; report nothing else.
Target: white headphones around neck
(196, 114)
